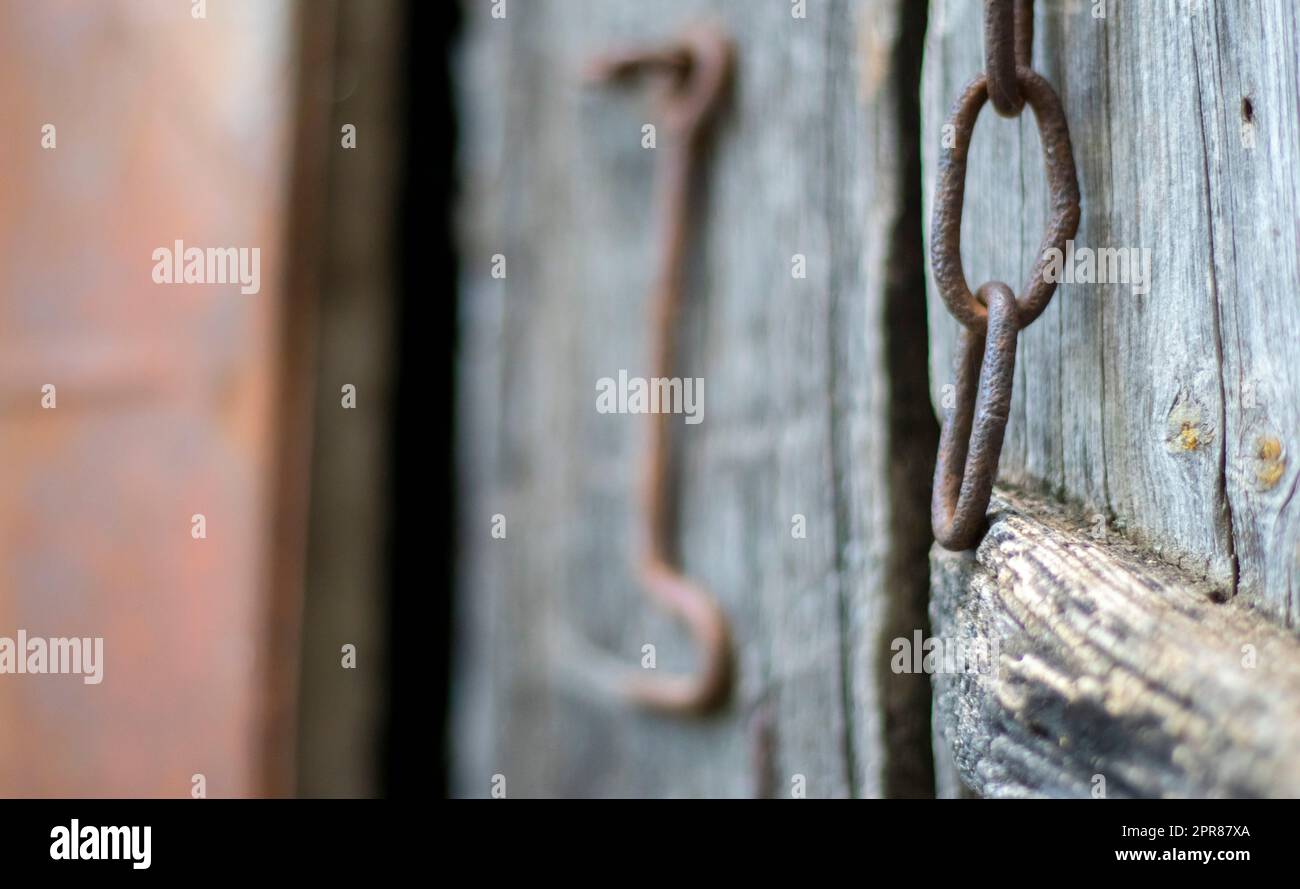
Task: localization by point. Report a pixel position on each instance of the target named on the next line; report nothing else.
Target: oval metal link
(1062, 189)
(971, 441)
(1008, 38)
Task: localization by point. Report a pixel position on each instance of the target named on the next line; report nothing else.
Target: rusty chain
(992, 317)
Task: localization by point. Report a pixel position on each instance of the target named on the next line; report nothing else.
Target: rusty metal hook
(693, 74)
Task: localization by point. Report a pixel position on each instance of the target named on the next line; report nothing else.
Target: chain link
(1008, 45)
(971, 441)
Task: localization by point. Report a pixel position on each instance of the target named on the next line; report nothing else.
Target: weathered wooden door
(1137, 586)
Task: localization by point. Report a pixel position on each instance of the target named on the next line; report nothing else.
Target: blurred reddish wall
(168, 128)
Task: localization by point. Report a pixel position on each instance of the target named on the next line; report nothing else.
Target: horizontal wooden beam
(1113, 673)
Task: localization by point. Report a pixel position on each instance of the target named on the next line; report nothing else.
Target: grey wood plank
(808, 159)
(1113, 671)
(339, 723)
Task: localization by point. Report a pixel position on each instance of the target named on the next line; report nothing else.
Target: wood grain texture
(1170, 415)
(1110, 663)
(802, 412)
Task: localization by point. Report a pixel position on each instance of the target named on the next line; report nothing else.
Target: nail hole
(1247, 110)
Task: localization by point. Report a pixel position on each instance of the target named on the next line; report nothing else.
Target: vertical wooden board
(1166, 412)
(340, 713)
(884, 433)
(556, 180)
(1163, 392)
(1249, 113)
(479, 562)
(765, 351)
